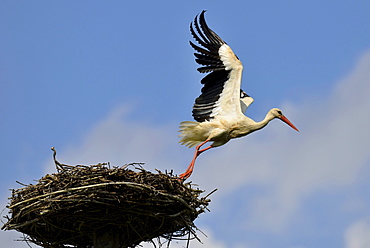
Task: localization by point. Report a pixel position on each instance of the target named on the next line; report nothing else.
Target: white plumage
(219, 110)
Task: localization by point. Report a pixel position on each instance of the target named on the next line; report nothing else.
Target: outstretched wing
(221, 95)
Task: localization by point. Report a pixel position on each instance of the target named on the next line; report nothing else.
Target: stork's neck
(249, 126)
(269, 117)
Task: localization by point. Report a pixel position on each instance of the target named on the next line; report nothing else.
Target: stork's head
(277, 113)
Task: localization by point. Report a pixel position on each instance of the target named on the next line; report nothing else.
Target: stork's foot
(185, 175)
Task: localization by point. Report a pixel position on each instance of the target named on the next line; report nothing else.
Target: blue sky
(110, 81)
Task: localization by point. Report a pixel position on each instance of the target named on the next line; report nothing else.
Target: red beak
(284, 119)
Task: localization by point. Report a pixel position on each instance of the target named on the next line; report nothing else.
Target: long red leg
(190, 168)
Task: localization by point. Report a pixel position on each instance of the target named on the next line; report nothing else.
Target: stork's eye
(280, 113)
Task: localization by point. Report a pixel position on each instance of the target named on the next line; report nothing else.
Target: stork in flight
(219, 110)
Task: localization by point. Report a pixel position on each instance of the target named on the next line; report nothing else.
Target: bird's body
(221, 130)
(219, 110)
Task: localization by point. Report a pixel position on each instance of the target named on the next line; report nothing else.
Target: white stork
(219, 110)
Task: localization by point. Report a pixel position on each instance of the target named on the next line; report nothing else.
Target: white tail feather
(187, 133)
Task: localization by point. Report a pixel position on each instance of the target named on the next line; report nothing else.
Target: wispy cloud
(358, 235)
(118, 140)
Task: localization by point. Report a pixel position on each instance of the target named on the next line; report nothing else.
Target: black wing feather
(212, 36)
(202, 40)
(207, 56)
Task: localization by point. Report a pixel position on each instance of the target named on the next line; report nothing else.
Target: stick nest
(68, 208)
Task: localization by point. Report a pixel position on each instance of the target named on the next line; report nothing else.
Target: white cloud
(358, 235)
(119, 141)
